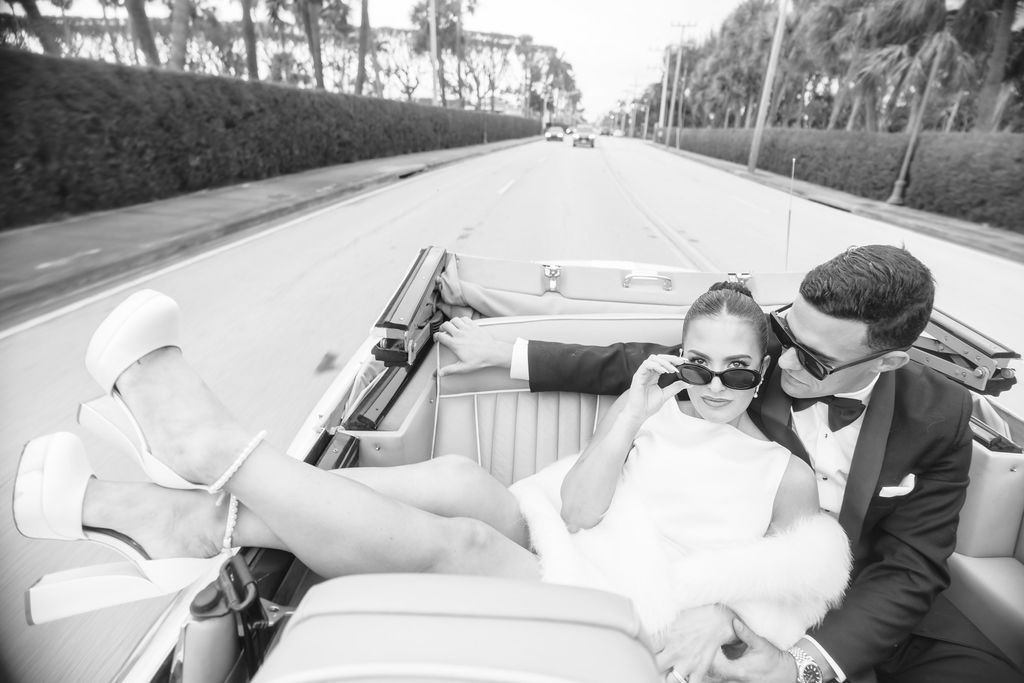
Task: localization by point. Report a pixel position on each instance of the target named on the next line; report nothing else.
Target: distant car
(606, 131)
(570, 131)
(585, 136)
(618, 133)
(556, 133)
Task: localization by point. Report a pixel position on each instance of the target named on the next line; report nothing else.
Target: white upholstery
(988, 566)
(512, 432)
(423, 627)
(990, 591)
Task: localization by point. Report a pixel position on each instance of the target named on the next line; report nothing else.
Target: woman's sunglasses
(817, 368)
(733, 378)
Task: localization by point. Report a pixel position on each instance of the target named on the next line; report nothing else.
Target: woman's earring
(757, 388)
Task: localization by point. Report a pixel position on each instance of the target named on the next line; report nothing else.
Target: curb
(996, 241)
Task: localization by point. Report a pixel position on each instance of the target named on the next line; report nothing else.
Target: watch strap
(807, 669)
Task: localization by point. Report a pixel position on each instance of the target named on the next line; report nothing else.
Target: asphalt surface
(47, 265)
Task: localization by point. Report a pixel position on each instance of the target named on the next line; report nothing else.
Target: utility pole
(675, 80)
(432, 21)
(766, 90)
(647, 116)
(682, 109)
(664, 87)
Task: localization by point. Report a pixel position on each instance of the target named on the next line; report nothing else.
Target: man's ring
(680, 679)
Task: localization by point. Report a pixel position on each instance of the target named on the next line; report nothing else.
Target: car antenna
(789, 213)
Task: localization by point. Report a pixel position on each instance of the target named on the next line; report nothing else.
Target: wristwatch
(807, 670)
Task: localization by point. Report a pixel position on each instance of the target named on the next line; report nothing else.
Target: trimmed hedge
(976, 176)
(973, 176)
(82, 136)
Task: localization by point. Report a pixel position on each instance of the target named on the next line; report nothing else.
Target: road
(270, 318)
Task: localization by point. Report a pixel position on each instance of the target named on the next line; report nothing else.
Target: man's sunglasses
(734, 378)
(818, 368)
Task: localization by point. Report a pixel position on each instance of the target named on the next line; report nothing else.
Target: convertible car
(266, 617)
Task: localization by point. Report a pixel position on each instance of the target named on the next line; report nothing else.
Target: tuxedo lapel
(867, 457)
(776, 416)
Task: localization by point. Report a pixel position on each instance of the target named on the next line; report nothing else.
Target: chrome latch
(741, 278)
(665, 280)
(552, 273)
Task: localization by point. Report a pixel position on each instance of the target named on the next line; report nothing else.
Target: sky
(616, 47)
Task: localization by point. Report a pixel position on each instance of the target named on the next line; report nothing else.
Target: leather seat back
(512, 432)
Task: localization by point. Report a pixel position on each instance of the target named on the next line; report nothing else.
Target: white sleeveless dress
(692, 498)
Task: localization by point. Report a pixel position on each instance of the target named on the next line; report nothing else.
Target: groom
(843, 397)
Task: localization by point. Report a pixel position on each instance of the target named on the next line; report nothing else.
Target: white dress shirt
(831, 454)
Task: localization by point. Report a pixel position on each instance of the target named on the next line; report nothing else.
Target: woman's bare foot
(185, 425)
(165, 522)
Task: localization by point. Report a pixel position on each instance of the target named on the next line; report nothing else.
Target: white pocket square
(902, 489)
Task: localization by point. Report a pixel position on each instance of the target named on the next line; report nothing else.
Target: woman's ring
(679, 679)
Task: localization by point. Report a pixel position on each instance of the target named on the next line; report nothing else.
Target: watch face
(810, 673)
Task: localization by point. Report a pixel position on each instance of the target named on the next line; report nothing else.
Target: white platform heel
(142, 323)
(49, 489)
(108, 419)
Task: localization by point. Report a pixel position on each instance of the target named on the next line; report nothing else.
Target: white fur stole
(780, 585)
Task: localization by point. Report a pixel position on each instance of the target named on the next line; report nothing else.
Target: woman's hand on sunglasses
(645, 396)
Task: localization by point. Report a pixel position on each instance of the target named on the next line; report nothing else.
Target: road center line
(507, 185)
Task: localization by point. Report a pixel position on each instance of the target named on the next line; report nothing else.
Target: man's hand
(693, 639)
(762, 662)
(474, 348)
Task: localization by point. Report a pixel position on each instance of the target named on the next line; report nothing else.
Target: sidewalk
(45, 265)
(1003, 243)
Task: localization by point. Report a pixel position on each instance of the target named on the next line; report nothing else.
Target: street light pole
(766, 89)
(915, 130)
(675, 86)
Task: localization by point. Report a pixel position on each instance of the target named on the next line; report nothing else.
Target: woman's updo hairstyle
(730, 298)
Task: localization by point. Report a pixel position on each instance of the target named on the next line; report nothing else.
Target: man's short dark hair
(880, 285)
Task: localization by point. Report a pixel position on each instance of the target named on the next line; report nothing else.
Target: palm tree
(364, 42)
(449, 36)
(180, 14)
(249, 37)
(526, 49)
(311, 10)
(141, 30)
(988, 119)
(110, 30)
(42, 29)
(835, 35)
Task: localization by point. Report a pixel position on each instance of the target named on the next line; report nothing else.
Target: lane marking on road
(687, 253)
(117, 289)
(66, 260)
(507, 185)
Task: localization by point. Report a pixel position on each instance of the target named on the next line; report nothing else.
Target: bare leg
(173, 523)
(333, 524)
(449, 486)
(170, 522)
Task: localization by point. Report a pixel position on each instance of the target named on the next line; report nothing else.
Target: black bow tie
(841, 411)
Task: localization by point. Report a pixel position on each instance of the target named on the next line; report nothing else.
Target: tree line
(312, 43)
(873, 65)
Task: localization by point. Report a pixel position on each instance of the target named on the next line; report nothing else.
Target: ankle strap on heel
(222, 481)
(226, 543)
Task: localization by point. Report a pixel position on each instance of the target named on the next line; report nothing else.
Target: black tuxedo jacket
(917, 422)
